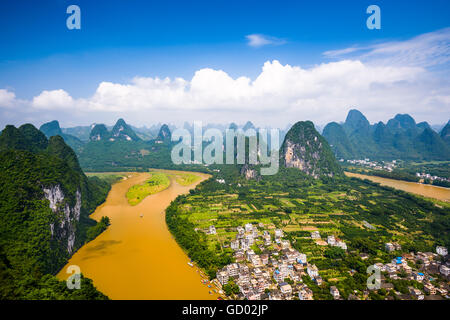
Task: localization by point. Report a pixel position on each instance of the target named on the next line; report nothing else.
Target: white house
(250, 254)
(416, 293)
(441, 251)
(278, 233)
(342, 245)
(419, 276)
(285, 288)
(234, 244)
(444, 270)
(301, 258)
(222, 276)
(244, 244)
(232, 269)
(389, 247)
(305, 294)
(391, 268)
(285, 244)
(331, 240)
(334, 292)
(315, 235)
(312, 271)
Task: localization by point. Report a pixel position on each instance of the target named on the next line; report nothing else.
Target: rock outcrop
(66, 217)
(305, 149)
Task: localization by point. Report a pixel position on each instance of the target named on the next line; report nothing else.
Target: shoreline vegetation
(185, 179)
(104, 222)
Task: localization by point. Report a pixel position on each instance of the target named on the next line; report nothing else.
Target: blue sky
(122, 40)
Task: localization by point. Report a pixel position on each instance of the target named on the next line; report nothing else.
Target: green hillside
(45, 202)
(304, 148)
(401, 138)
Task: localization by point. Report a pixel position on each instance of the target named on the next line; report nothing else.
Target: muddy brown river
(426, 190)
(137, 257)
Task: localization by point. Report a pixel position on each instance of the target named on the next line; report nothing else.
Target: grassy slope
(185, 179)
(157, 183)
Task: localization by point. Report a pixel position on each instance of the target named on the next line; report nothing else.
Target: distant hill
(164, 133)
(304, 148)
(123, 131)
(233, 126)
(99, 132)
(80, 132)
(120, 131)
(121, 148)
(399, 138)
(445, 133)
(338, 140)
(144, 133)
(248, 125)
(52, 128)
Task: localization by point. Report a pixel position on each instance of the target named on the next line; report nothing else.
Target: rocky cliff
(45, 199)
(305, 149)
(63, 229)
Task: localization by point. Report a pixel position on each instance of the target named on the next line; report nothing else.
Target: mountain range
(400, 138)
(52, 128)
(122, 145)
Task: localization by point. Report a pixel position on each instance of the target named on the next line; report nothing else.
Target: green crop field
(186, 179)
(336, 207)
(157, 183)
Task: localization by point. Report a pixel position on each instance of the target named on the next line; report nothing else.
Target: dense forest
(45, 202)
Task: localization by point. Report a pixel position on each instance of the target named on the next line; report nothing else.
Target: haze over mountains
(123, 145)
(400, 138)
(52, 128)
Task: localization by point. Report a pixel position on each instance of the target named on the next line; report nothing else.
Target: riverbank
(426, 190)
(137, 257)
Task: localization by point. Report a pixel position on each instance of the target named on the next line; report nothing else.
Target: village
(376, 165)
(389, 166)
(278, 273)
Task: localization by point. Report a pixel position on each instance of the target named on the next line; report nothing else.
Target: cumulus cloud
(259, 40)
(7, 98)
(323, 92)
(281, 93)
(55, 99)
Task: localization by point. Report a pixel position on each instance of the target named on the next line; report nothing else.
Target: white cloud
(259, 40)
(7, 98)
(322, 93)
(51, 100)
(281, 93)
